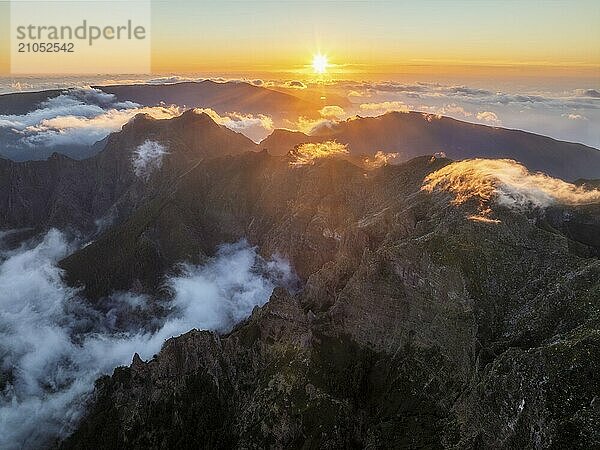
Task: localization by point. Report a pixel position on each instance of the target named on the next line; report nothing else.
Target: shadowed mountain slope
(222, 97)
(418, 322)
(66, 193)
(413, 134)
(416, 326)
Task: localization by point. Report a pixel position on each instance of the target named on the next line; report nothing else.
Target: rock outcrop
(416, 327)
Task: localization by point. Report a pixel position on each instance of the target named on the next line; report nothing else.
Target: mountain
(424, 318)
(30, 109)
(83, 194)
(19, 103)
(412, 134)
(222, 97)
(417, 326)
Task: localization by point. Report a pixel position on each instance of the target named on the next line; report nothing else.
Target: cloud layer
(84, 115)
(560, 113)
(54, 345)
(507, 183)
(79, 116)
(256, 127)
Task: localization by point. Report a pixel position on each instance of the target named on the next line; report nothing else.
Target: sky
(362, 39)
(378, 37)
(537, 62)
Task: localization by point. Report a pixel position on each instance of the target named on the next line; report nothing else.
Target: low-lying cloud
(381, 159)
(384, 107)
(79, 116)
(489, 117)
(332, 112)
(147, 158)
(254, 126)
(507, 183)
(54, 345)
(71, 129)
(307, 154)
(553, 112)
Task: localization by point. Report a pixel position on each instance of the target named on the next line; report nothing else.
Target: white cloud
(307, 154)
(254, 126)
(55, 345)
(384, 107)
(332, 112)
(312, 126)
(507, 183)
(147, 158)
(73, 129)
(574, 116)
(380, 159)
(78, 116)
(489, 117)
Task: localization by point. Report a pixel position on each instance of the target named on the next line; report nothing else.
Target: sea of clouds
(84, 115)
(80, 116)
(54, 344)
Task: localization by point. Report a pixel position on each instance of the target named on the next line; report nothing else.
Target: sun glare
(320, 63)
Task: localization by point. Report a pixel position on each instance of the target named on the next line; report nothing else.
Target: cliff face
(416, 326)
(420, 323)
(79, 194)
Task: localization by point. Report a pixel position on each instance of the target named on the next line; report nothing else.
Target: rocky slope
(418, 323)
(92, 193)
(413, 134)
(416, 326)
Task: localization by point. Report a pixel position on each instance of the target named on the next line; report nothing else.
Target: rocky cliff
(417, 326)
(421, 321)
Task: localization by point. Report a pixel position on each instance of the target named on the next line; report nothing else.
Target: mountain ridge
(413, 133)
(411, 326)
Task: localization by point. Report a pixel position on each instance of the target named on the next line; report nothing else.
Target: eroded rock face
(80, 194)
(416, 327)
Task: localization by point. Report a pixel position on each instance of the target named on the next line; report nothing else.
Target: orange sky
(367, 39)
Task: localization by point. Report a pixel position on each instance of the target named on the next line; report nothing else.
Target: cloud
(313, 126)
(357, 94)
(380, 159)
(294, 84)
(536, 110)
(507, 183)
(254, 126)
(332, 112)
(574, 116)
(447, 110)
(54, 345)
(172, 79)
(384, 107)
(307, 154)
(454, 110)
(62, 105)
(73, 129)
(147, 158)
(587, 93)
(78, 116)
(489, 117)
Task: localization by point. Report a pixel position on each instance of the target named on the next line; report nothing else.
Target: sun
(320, 63)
